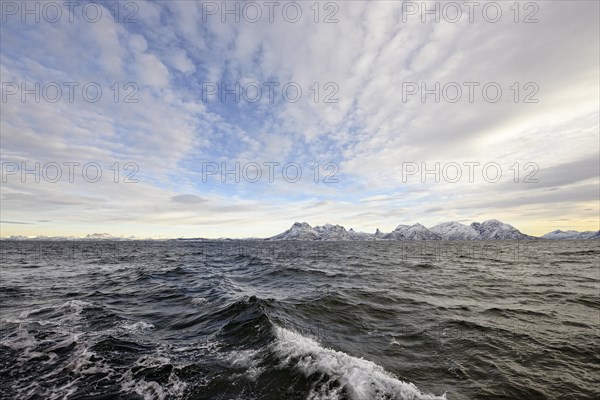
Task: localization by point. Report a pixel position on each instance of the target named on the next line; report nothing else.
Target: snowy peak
(414, 232)
(571, 235)
(303, 231)
(300, 226)
(419, 232)
(455, 231)
(558, 234)
(332, 232)
(360, 235)
(298, 231)
(493, 229)
(99, 236)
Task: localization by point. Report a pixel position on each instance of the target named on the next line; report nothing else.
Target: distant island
(301, 231)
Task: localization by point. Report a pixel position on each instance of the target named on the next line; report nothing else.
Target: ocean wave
(359, 378)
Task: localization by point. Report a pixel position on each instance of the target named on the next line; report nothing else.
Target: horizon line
(133, 237)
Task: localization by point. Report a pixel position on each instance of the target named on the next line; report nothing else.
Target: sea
(194, 319)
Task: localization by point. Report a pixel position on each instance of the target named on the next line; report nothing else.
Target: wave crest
(359, 378)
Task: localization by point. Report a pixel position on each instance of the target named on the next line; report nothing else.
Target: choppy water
(260, 320)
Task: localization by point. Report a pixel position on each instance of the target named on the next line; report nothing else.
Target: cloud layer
(355, 97)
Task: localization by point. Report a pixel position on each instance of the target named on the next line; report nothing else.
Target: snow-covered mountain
(571, 235)
(379, 235)
(455, 231)
(327, 232)
(493, 229)
(332, 232)
(414, 232)
(100, 236)
(360, 235)
(303, 231)
(298, 231)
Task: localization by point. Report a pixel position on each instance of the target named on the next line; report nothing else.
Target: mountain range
(488, 230)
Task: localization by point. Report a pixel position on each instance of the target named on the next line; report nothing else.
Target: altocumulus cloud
(364, 61)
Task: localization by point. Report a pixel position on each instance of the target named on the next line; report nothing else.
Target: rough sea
(299, 320)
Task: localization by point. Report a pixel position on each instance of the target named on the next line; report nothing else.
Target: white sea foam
(72, 308)
(174, 388)
(25, 314)
(82, 361)
(136, 326)
(76, 306)
(199, 301)
(59, 392)
(360, 378)
(85, 361)
(151, 361)
(249, 360)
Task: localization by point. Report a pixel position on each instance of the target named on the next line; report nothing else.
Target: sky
(236, 119)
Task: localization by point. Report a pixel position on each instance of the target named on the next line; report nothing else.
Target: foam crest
(361, 379)
(136, 326)
(249, 360)
(76, 306)
(199, 301)
(150, 390)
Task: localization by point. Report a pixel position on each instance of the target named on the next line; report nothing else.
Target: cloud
(364, 62)
(179, 60)
(152, 71)
(188, 199)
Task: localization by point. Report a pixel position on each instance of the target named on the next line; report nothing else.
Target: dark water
(259, 320)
